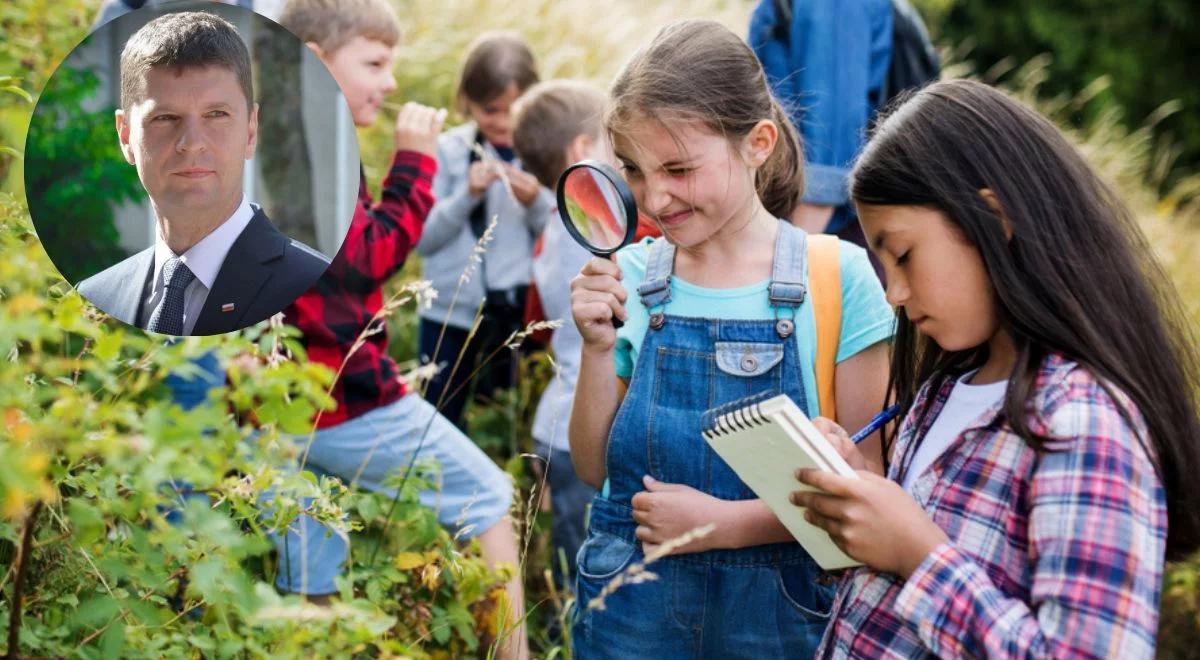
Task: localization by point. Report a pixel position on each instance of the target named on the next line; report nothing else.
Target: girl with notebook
(713, 312)
(1051, 435)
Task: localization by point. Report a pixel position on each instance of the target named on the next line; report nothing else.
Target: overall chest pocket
(747, 368)
(747, 359)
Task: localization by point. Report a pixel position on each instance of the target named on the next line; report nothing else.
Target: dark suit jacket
(263, 273)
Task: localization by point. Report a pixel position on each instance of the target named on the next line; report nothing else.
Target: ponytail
(780, 180)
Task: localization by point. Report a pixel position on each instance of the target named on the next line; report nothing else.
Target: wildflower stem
(22, 563)
(637, 572)
(480, 248)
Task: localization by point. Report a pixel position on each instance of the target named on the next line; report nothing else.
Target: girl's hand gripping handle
(598, 303)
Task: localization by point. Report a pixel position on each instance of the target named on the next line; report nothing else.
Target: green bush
(37, 36)
(1143, 49)
(92, 446)
(75, 174)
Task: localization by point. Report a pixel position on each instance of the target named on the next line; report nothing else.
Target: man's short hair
(331, 24)
(548, 118)
(181, 41)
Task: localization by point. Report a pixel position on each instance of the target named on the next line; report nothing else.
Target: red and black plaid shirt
(338, 308)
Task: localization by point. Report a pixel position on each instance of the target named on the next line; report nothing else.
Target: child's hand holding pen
(847, 445)
(872, 518)
(840, 440)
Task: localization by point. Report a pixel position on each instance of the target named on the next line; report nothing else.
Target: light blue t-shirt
(867, 318)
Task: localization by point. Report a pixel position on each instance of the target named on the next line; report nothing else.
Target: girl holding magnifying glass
(717, 313)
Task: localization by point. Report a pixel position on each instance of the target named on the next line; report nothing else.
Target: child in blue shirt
(715, 311)
(479, 179)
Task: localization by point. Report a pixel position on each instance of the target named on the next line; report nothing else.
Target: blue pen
(876, 423)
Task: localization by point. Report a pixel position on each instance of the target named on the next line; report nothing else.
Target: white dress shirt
(204, 259)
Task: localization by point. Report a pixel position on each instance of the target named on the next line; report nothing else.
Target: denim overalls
(758, 602)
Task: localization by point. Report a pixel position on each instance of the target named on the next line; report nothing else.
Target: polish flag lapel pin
(227, 307)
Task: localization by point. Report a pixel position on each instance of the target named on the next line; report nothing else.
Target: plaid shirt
(338, 308)
(1051, 555)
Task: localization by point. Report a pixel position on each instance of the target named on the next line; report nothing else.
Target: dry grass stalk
(637, 573)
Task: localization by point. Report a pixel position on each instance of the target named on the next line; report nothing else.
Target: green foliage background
(88, 438)
(75, 211)
(1146, 50)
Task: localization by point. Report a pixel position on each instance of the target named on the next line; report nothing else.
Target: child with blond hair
(379, 426)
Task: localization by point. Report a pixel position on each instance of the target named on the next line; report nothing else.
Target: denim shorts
(474, 492)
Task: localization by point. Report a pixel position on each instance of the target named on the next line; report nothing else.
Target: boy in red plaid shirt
(378, 425)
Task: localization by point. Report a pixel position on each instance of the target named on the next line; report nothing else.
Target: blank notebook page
(765, 443)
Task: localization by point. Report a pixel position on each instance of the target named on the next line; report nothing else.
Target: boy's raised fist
(418, 127)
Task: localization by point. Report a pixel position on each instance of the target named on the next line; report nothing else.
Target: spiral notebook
(765, 440)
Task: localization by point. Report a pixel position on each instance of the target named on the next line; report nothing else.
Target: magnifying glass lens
(595, 206)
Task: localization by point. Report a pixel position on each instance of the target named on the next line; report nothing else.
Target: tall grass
(1132, 160)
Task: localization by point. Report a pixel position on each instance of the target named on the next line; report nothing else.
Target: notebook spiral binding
(736, 415)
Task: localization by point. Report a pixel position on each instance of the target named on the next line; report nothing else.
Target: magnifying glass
(597, 208)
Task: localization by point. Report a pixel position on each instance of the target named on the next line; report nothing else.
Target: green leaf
(202, 643)
(113, 640)
(205, 577)
(108, 346)
(86, 522)
(230, 648)
(376, 591)
(95, 612)
(441, 631)
(368, 507)
(13, 89)
(463, 623)
(297, 418)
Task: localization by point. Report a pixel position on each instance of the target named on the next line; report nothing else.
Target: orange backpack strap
(825, 292)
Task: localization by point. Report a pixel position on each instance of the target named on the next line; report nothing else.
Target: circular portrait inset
(191, 168)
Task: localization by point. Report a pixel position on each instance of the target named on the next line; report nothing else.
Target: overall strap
(786, 290)
(655, 290)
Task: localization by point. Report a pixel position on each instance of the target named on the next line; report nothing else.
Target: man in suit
(188, 122)
(110, 9)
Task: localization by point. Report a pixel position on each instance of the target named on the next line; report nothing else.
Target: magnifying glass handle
(617, 323)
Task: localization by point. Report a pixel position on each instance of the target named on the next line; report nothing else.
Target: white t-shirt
(966, 405)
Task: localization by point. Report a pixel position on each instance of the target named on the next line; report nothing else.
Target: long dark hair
(1077, 277)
